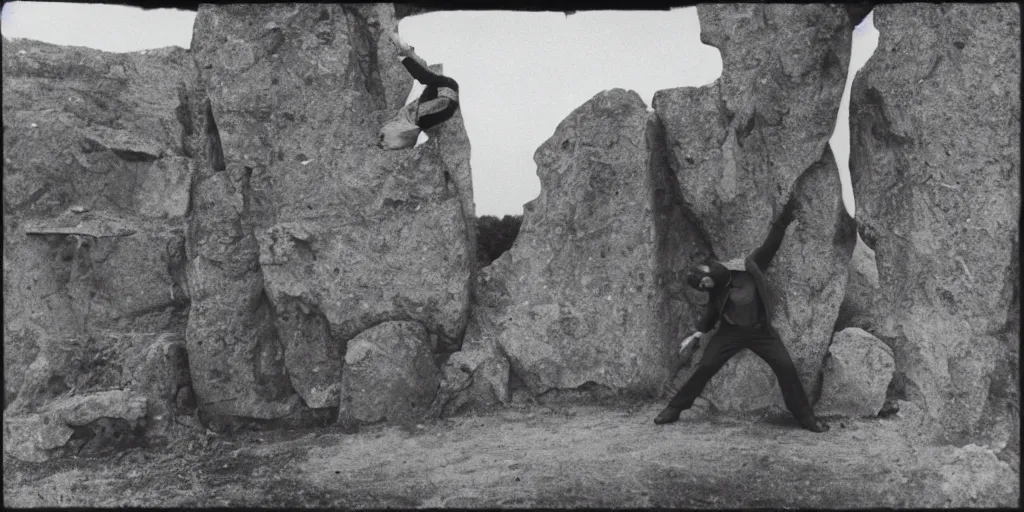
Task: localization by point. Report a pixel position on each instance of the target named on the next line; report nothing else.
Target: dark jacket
(756, 264)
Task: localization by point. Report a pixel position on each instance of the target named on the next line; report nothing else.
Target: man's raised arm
(762, 256)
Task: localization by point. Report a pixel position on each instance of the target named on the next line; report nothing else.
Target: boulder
(857, 309)
(390, 374)
(857, 373)
(935, 167)
(576, 300)
(95, 187)
(41, 436)
(477, 376)
(312, 234)
(743, 147)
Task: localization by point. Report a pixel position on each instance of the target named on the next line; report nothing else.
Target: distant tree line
(495, 236)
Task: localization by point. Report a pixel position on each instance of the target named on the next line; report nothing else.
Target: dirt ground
(535, 456)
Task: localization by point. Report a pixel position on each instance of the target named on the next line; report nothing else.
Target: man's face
(700, 279)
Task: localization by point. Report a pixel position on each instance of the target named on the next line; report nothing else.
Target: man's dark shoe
(667, 415)
(814, 425)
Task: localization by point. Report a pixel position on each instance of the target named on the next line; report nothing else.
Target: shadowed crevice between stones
(183, 113)
(214, 151)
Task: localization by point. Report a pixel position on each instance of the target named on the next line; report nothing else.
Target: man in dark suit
(745, 303)
(436, 104)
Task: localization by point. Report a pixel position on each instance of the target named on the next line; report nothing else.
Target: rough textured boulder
(935, 166)
(857, 374)
(576, 300)
(738, 145)
(477, 376)
(151, 366)
(755, 139)
(390, 374)
(40, 436)
(311, 234)
(161, 375)
(95, 187)
(857, 309)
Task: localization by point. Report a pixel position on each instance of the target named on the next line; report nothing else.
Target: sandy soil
(535, 456)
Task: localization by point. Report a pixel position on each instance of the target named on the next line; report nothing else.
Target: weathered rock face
(97, 133)
(576, 300)
(95, 418)
(857, 374)
(312, 234)
(857, 309)
(742, 147)
(739, 145)
(390, 374)
(935, 166)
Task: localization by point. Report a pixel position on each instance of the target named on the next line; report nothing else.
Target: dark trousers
(446, 108)
(727, 342)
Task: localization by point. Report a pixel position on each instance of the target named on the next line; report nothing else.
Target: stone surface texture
(390, 374)
(858, 370)
(95, 188)
(744, 146)
(935, 166)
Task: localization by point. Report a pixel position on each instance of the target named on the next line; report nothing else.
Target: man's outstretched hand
(404, 49)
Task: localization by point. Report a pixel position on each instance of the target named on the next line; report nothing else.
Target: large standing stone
(576, 300)
(329, 234)
(745, 145)
(935, 166)
(390, 374)
(857, 373)
(91, 248)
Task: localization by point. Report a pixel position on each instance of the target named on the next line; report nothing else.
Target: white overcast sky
(520, 73)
